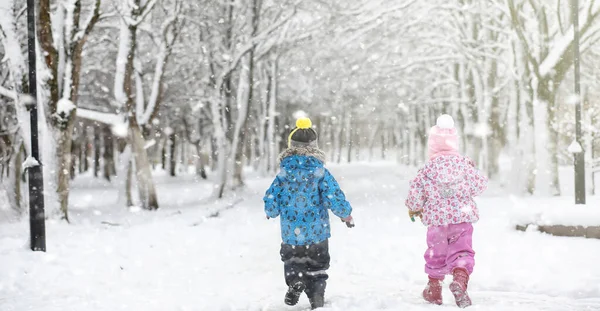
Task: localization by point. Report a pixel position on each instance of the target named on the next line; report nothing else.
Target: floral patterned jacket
(443, 191)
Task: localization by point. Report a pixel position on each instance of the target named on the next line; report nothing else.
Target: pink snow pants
(449, 247)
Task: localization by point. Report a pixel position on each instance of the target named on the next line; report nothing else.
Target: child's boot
(316, 294)
(458, 287)
(293, 294)
(433, 291)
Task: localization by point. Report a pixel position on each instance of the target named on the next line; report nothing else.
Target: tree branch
(518, 27)
(8, 93)
(253, 42)
(92, 20)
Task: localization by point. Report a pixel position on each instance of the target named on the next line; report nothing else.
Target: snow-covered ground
(179, 258)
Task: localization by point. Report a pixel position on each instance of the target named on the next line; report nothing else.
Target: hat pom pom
(445, 122)
(303, 123)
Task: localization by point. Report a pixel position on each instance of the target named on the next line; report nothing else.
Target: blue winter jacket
(301, 194)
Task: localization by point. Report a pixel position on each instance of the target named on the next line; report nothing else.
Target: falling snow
(214, 97)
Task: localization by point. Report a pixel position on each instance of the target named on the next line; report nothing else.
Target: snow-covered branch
(166, 46)
(91, 22)
(8, 93)
(122, 59)
(562, 43)
(516, 24)
(101, 117)
(249, 46)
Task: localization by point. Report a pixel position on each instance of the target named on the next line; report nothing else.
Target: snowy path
(178, 259)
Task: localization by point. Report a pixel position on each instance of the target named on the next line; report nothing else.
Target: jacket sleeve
(271, 207)
(478, 182)
(333, 197)
(416, 194)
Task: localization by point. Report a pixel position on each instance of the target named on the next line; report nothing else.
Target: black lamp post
(579, 156)
(37, 219)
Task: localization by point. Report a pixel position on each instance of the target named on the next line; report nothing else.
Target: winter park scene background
(161, 121)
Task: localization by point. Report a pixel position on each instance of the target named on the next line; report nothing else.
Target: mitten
(349, 221)
(412, 214)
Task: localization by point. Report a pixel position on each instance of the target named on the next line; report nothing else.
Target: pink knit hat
(443, 138)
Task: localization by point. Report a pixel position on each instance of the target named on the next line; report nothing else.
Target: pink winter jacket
(444, 189)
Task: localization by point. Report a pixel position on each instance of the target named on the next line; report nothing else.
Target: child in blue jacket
(301, 194)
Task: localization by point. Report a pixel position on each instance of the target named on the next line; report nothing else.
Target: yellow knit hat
(303, 134)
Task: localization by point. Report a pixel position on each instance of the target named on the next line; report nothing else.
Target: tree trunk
(358, 142)
(513, 179)
(108, 153)
(384, 141)
(529, 151)
(524, 166)
(243, 114)
(14, 181)
(340, 140)
(163, 154)
(172, 154)
(405, 149)
(128, 182)
(239, 133)
(271, 139)
(263, 140)
(472, 119)
(372, 139)
(545, 140)
(214, 150)
(124, 174)
(589, 148)
(87, 152)
(97, 150)
(200, 162)
(183, 162)
(412, 143)
(64, 67)
(220, 148)
(495, 139)
(143, 174)
(63, 152)
(349, 137)
(75, 156)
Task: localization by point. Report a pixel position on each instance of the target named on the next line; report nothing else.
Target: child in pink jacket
(442, 195)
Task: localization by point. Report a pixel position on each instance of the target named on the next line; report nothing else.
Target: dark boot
(433, 291)
(293, 294)
(458, 287)
(316, 294)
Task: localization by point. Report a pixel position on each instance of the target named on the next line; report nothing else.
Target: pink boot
(458, 287)
(433, 291)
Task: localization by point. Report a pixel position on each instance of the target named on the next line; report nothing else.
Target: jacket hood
(302, 163)
(303, 151)
(448, 169)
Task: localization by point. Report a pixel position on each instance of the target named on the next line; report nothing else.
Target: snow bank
(556, 211)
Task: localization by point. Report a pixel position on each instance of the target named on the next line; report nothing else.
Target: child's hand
(412, 214)
(349, 221)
